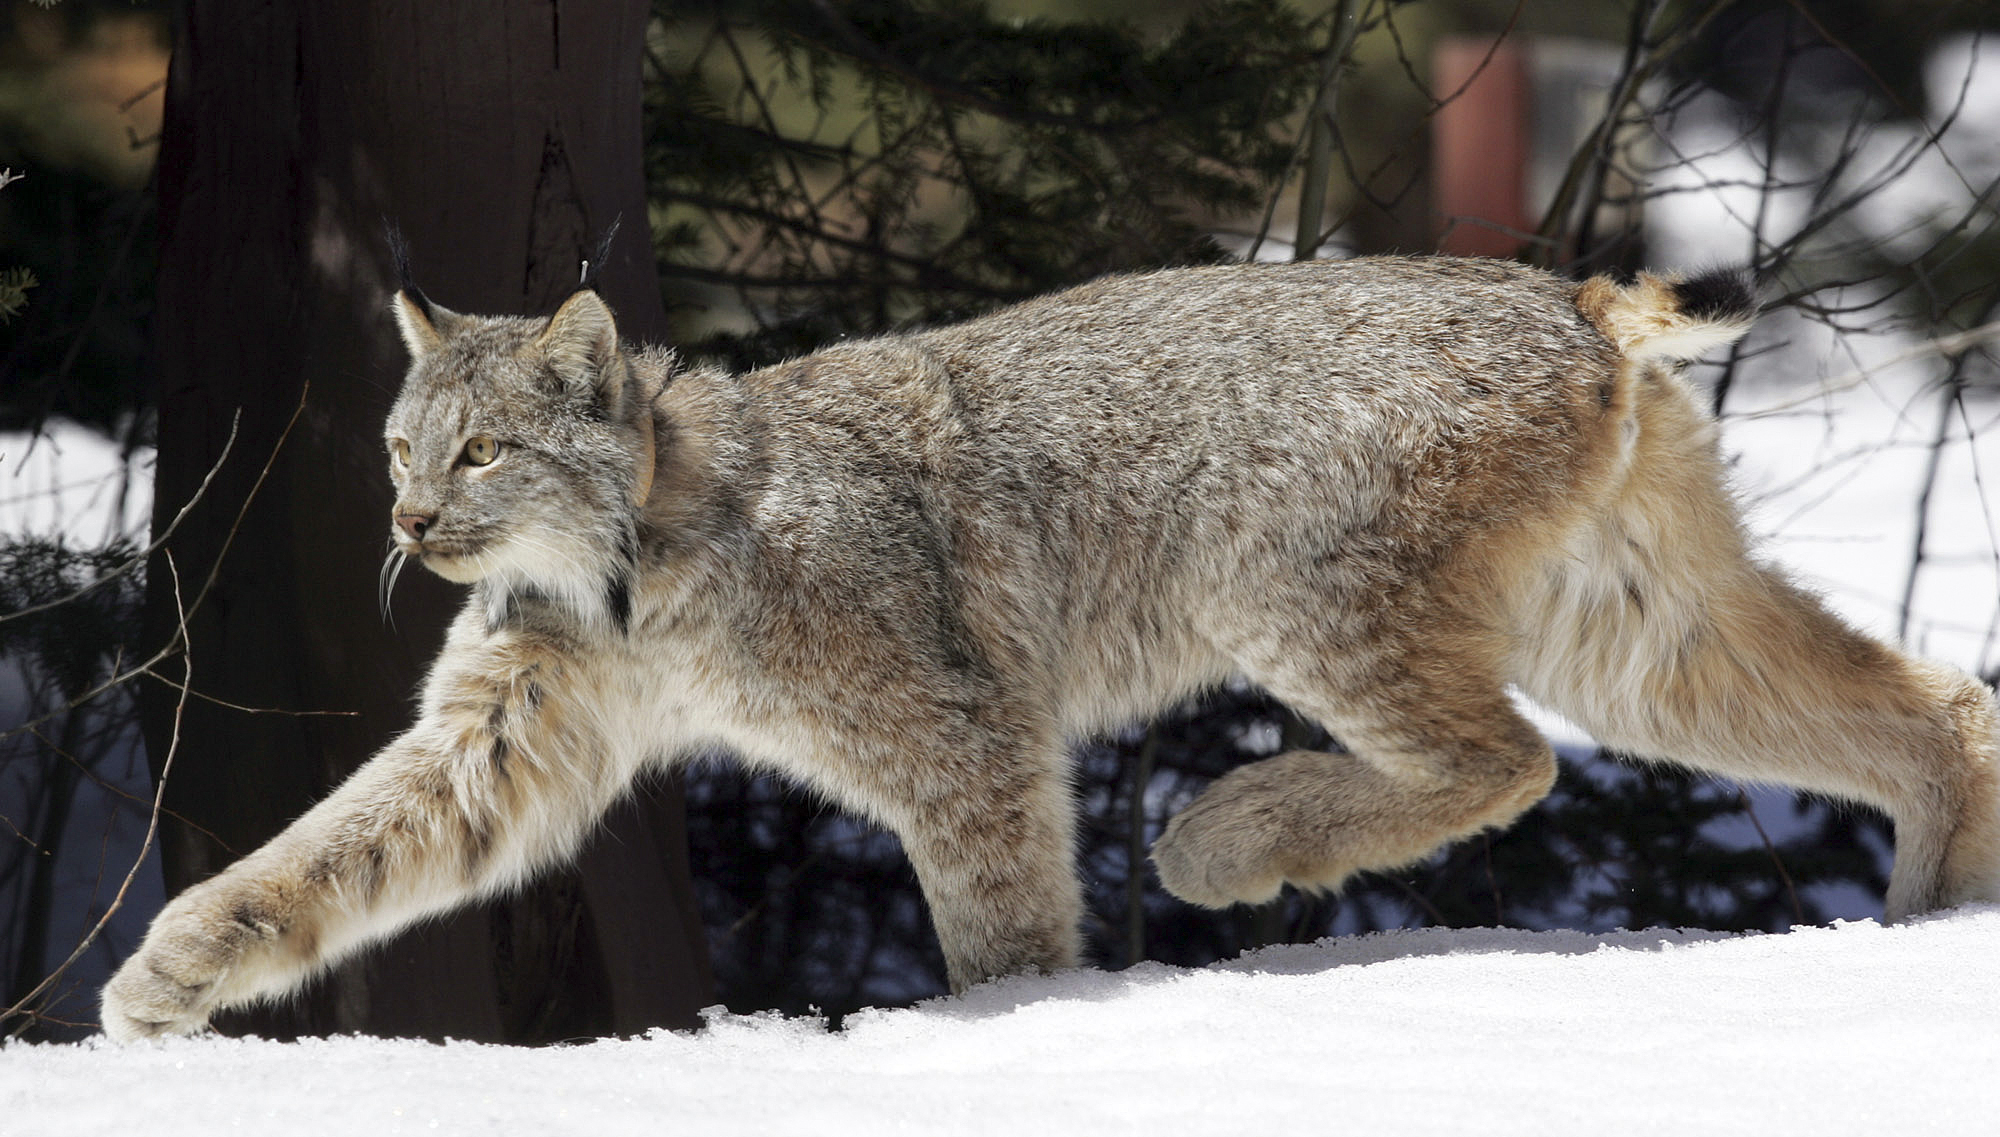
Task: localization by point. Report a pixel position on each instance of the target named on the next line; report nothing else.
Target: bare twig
(252, 710)
(1951, 404)
(1955, 344)
(98, 780)
(1322, 128)
(1784, 874)
(215, 570)
(1642, 62)
(21, 1008)
(141, 556)
(139, 96)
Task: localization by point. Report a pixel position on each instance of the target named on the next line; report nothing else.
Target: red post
(1480, 144)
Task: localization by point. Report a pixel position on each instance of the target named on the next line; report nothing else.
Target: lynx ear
(581, 341)
(423, 323)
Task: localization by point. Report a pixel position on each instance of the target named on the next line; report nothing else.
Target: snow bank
(1850, 1029)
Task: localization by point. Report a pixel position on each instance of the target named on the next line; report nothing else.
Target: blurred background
(195, 356)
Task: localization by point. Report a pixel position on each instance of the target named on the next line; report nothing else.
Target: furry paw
(1217, 852)
(1250, 834)
(1202, 869)
(175, 979)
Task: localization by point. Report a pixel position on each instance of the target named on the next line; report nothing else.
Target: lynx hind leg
(1656, 632)
(1435, 755)
(1744, 675)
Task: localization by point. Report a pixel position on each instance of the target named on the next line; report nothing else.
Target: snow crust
(1855, 1028)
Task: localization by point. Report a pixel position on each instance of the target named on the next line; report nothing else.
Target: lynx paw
(174, 981)
(1217, 852)
(1245, 838)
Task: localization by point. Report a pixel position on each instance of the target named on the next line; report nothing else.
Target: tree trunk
(503, 136)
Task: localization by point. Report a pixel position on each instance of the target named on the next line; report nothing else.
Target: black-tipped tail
(1660, 318)
(1717, 295)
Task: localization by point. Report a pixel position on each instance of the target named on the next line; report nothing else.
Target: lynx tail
(1656, 318)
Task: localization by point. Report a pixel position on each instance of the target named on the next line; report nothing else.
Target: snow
(73, 481)
(1855, 1028)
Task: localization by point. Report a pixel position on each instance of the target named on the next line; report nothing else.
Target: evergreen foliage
(847, 169)
(14, 282)
(14, 286)
(68, 613)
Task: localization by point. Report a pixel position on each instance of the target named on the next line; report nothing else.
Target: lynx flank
(911, 571)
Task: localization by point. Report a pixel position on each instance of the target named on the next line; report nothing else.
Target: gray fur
(912, 571)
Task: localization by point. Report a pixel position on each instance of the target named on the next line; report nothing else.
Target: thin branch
(1953, 345)
(101, 783)
(139, 96)
(178, 640)
(1784, 874)
(19, 1009)
(142, 555)
(1322, 129)
(1641, 63)
(1141, 776)
(150, 673)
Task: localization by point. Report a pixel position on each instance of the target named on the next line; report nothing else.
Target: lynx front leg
(496, 779)
(992, 843)
(1433, 759)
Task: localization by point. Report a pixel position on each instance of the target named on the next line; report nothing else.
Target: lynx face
(516, 451)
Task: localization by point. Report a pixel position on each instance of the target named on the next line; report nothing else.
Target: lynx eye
(481, 450)
(401, 448)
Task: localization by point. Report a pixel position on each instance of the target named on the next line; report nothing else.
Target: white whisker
(385, 581)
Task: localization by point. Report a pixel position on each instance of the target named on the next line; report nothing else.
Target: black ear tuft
(399, 256)
(1720, 295)
(595, 265)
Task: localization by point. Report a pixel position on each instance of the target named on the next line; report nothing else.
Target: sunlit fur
(910, 572)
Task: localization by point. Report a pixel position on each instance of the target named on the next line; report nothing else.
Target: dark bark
(502, 136)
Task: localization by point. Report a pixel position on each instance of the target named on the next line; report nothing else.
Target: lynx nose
(415, 524)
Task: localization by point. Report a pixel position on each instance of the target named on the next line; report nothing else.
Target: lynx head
(522, 451)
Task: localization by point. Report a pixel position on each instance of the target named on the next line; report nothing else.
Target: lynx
(911, 571)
